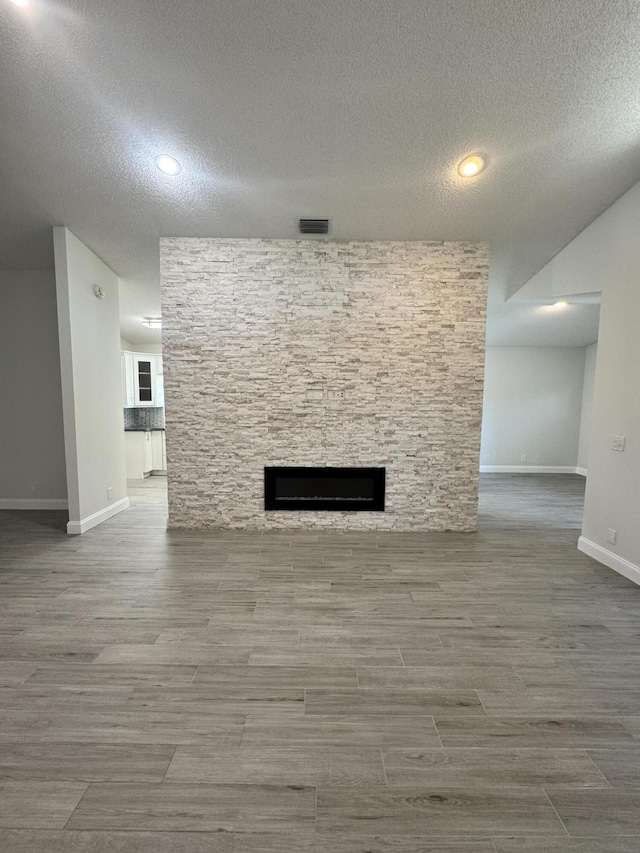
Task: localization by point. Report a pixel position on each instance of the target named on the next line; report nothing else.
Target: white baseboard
(609, 559)
(34, 503)
(581, 471)
(530, 469)
(84, 524)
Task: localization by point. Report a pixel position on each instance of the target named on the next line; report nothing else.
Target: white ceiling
(356, 110)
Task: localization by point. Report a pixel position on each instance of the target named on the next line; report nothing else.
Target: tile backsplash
(144, 418)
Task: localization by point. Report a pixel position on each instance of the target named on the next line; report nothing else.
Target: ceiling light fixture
(167, 164)
(21, 3)
(152, 322)
(552, 307)
(471, 166)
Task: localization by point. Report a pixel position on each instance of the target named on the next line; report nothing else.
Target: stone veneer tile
(256, 332)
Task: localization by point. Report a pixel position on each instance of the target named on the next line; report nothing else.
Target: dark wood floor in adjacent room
(241, 692)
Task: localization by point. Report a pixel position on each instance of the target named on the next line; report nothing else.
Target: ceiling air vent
(314, 226)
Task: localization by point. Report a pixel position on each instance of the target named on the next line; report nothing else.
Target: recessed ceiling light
(152, 322)
(168, 164)
(552, 307)
(471, 166)
(22, 3)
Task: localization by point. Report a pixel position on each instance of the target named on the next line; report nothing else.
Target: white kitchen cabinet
(135, 443)
(156, 450)
(147, 465)
(145, 453)
(142, 379)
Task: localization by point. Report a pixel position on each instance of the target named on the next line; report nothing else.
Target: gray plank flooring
(236, 692)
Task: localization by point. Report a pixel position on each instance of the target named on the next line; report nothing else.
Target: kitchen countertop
(143, 429)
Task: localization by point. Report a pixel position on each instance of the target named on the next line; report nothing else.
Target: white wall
(152, 349)
(591, 354)
(605, 257)
(612, 498)
(89, 332)
(32, 461)
(532, 408)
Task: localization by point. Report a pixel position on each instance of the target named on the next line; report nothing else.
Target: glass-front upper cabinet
(142, 379)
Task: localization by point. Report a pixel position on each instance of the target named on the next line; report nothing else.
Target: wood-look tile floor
(169, 692)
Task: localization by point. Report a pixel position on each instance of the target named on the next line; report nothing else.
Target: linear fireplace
(312, 489)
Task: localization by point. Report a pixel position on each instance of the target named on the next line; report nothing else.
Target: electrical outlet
(523, 457)
(110, 493)
(617, 443)
(335, 394)
(611, 536)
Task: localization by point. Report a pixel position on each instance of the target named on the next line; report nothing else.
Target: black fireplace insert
(313, 489)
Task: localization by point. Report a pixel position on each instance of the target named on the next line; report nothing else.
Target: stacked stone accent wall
(259, 335)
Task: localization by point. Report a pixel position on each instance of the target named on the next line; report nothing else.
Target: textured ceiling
(356, 110)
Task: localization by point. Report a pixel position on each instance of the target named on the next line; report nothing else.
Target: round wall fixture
(471, 166)
(99, 291)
